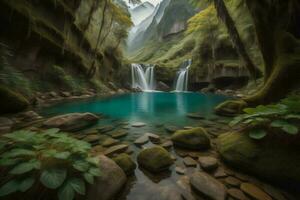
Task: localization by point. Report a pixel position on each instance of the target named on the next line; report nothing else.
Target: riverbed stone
(189, 162)
(208, 186)
(109, 142)
(237, 194)
(92, 138)
(154, 159)
(125, 162)
(153, 138)
(185, 187)
(118, 134)
(167, 144)
(233, 181)
(230, 108)
(72, 121)
(254, 192)
(109, 184)
(116, 149)
(138, 124)
(208, 163)
(220, 173)
(105, 129)
(180, 170)
(261, 158)
(195, 139)
(171, 129)
(141, 140)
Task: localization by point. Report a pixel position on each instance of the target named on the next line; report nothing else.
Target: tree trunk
(92, 69)
(235, 37)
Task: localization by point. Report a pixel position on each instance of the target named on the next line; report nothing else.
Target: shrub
(283, 116)
(47, 159)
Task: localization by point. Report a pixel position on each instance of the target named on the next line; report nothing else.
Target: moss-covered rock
(155, 159)
(196, 139)
(125, 162)
(268, 159)
(11, 102)
(231, 107)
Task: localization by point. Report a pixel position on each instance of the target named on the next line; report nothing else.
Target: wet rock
(180, 170)
(196, 139)
(119, 134)
(167, 144)
(29, 116)
(230, 108)
(171, 129)
(208, 186)
(141, 140)
(153, 138)
(220, 173)
(65, 94)
(109, 142)
(154, 159)
(92, 138)
(97, 150)
(116, 149)
(72, 122)
(185, 187)
(189, 162)
(105, 129)
(110, 183)
(254, 192)
(125, 162)
(237, 194)
(53, 94)
(194, 116)
(208, 163)
(161, 86)
(233, 181)
(188, 127)
(138, 124)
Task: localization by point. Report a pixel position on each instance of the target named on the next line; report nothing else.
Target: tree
(225, 17)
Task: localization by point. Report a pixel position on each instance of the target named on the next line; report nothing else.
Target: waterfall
(142, 79)
(183, 77)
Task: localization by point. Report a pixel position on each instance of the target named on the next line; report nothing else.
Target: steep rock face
(141, 12)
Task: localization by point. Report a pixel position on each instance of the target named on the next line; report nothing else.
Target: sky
(154, 2)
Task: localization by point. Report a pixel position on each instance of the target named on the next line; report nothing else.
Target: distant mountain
(141, 12)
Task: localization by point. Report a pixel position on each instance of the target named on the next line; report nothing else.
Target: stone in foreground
(155, 159)
(125, 162)
(72, 121)
(208, 163)
(108, 185)
(254, 192)
(208, 186)
(195, 139)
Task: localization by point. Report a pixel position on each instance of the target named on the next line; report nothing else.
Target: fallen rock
(196, 139)
(189, 162)
(208, 186)
(125, 162)
(154, 159)
(254, 192)
(116, 149)
(109, 184)
(208, 163)
(237, 194)
(72, 121)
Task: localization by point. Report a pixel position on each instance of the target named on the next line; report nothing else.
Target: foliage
(50, 157)
(284, 116)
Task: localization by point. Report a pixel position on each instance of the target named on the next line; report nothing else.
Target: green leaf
(290, 129)
(78, 185)
(53, 178)
(8, 188)
(26, 184)
(18, 152)
(95, 171)
(22, 168)
(81, 166)
(279, 123)
(51, 131)
(9, 161)
(93, 160)
(62, 155)
(292, 116)
(66, 192)
(89, 178)
(21, 136)
(257, 134)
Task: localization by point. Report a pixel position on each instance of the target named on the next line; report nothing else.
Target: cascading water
(183, 77)
(142, 79)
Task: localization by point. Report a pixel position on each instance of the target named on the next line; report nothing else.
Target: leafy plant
(49, 158)
(283, 116)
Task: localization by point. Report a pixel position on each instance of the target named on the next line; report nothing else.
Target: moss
(195, 138)
(231, 107)
(155, 159)
(11, 102)
(267, 159)
(125, 162)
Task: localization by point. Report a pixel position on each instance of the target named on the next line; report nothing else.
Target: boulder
(154, 159)
(108, 185)
(195, 139)
(125, 162)
(269, 159)
(230, 108)
(208, 186)
(11, 102)
(72, 121)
